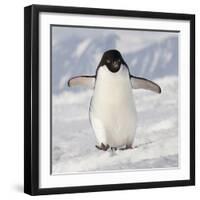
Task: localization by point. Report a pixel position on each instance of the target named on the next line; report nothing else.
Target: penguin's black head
(112, 59)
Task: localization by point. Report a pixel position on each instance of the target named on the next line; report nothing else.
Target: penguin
(112, 110)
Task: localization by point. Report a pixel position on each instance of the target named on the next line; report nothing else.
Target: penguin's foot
(103, 147)
(127, 147)
(113, 148)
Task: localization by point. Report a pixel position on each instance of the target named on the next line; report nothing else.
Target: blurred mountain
(155, 61)
(78, 56)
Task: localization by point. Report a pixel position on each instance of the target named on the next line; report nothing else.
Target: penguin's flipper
(87, 81)
(142, 83)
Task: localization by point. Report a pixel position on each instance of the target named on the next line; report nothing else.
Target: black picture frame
(31, 98)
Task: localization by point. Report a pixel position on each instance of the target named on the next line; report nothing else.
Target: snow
(155, 146)
(82, 47)
(154, 63)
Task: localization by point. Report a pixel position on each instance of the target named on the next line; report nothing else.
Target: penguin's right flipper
(142, 83)
(87, 81)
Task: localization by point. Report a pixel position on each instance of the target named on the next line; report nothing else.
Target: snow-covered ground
(156, 143)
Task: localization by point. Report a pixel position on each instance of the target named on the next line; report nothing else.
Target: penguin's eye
(107, 61)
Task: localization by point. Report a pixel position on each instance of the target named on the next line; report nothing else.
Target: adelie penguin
(112, 109)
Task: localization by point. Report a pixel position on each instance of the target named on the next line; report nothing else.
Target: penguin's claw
(98, 147)
(103, 147)
(127, 147)
(114, 148)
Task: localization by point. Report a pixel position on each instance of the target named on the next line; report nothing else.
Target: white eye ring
(107, 60)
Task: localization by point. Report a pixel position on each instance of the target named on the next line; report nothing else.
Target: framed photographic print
(109, 99)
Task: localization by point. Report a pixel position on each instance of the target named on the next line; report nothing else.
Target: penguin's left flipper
(87, 81)
(142, 83)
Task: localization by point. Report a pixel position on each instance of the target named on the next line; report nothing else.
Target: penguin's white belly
(112, 109)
